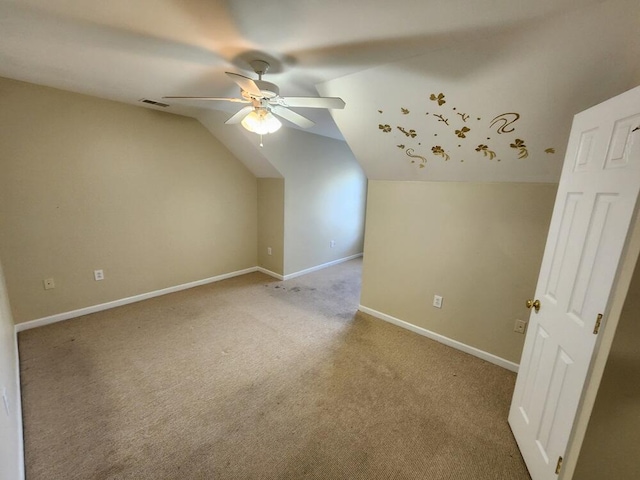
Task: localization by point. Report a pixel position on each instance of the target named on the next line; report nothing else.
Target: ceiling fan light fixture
(261, 121)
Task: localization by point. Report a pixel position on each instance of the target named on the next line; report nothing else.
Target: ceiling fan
(265, 103)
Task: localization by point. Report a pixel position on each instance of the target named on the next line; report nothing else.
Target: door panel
(596, 200)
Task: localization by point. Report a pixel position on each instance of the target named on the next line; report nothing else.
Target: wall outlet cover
(520, 326)
(98, 275)
(437, 301)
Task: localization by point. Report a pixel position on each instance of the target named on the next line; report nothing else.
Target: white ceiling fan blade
(313, 102)
(239, 116)
(292, 116)
(245, 83)
(221, 99)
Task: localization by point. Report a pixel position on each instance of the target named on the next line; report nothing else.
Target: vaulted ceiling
(541, 61)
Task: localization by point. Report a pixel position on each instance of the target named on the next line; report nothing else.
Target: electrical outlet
(332, 243)
(437, 301)
(98, 275)
(520, 326)
(268, 250)
(49, 283)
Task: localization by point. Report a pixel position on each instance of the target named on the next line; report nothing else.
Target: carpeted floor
(252, 378)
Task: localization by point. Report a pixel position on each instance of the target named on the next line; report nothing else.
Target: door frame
(626, 267)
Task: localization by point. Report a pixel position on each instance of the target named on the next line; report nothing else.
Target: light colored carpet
(252, 378)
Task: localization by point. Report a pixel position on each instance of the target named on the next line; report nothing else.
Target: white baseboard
(18, 408)
(40, 322)
(270, 273)
(489, 357)
(59, 317)
(320, 267)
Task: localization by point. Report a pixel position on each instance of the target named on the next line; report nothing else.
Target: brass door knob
(535, 304)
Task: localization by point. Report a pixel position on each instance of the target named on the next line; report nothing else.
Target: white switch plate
(332, 243)
(437, 301)
(49, 283)
(268, 250)
(98, 275)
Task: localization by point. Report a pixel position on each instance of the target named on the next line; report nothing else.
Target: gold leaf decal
(437, 150)
(461, 133)
(410, 153)
(521, 147)
(504, 120)
(486, 152)
(401, 146)
(411, 133)
(442, 119)
(385, 128)
(440, 98)
(550, 150)
(404, 110)
(464, 116)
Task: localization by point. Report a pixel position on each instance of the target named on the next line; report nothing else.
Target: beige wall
(151, 198)
(271, 224)
(325, 198)
(610, 446)
(10, 436)
(478, 245)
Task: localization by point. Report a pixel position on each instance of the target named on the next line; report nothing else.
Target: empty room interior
(296, 240)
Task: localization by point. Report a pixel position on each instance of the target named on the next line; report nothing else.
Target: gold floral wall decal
(411, 133)
(442, 119)
(521, 147)
(410, 153)
(486, 152)
(504, 120)
(468, 131)
(438, 150)
(462, 132)
(440, 98)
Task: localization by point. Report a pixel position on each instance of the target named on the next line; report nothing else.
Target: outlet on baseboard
(520, 326)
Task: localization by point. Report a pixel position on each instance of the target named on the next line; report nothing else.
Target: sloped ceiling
(124, 51)
(493, 109)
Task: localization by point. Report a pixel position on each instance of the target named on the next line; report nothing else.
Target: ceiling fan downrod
(260, 67)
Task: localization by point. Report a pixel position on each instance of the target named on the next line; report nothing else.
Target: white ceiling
(126, 50)
(536, 78)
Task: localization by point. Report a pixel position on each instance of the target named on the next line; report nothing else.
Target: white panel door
(594, 207)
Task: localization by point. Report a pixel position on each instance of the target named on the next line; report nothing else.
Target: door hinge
(559, 466)
(596, 329)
